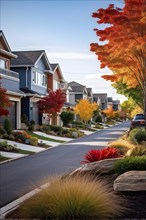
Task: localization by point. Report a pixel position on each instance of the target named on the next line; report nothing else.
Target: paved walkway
(53, 137)
(12, 155)
(30, 147)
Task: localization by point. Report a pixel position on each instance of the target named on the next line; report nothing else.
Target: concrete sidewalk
(53, 137)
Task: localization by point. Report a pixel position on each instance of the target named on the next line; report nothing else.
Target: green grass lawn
(3, 158)
(44, 138)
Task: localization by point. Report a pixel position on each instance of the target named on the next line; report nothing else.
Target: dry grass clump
(72, 198)
(121, 145)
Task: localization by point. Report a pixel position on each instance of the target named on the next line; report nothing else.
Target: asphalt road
(20, 176)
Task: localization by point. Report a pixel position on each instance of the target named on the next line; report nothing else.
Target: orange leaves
(125, 50)
(112, 78)
(109, 112)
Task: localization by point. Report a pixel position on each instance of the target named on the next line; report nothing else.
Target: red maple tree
(4, 101)
(52, 103)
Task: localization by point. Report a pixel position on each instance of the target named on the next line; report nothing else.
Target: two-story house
(34, 69)
(57, 81)
(11, 82)
(101, 99)
(77, 92)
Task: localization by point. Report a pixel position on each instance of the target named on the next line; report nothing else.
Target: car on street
(138, 121)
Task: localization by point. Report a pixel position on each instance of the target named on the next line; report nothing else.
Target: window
(2, 64)
(56, 85)
(44, 83)
(39, 78)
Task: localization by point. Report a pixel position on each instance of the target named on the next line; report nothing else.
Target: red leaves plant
(4, 101)
(96, 155)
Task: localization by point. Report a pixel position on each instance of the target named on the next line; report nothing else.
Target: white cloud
(71, 55)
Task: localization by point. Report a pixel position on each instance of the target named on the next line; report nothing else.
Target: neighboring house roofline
(56, 66)
(5, 41)
(30, 58)
(8, 53)
(46, 58)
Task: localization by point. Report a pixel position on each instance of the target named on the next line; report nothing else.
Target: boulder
(131, 181)
(96, 168)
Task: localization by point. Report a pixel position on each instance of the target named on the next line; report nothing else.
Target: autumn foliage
(101, 154)
(52, 103)
(124, 47)
(85, 109)
(109, 112)
(4, 102)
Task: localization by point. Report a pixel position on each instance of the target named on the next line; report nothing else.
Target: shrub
(65, 131)
(98, 119)
(45, 128)
(24, 119)
(72, 198)
(7, 126)
(67, 117)
(140, 136)
(34, 141)
(21, 136)
(31, 125)
(2, 131)
(130, 163)
(98, 126)
(4, 146)
(132, 133)
(56, 128)
(101, 154)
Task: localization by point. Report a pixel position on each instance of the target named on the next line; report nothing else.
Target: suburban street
(20, 176)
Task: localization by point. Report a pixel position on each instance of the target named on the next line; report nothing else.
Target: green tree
(134, 93)
(67, 117)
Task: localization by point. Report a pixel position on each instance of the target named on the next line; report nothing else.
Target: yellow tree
(85, 109)
(124, 50)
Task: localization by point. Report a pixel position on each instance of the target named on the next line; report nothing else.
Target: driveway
(22, 175)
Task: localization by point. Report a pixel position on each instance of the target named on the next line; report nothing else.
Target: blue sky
(64, 29)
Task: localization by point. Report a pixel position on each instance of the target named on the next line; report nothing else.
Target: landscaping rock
(74, 134)
(96, 168)
(131, 181)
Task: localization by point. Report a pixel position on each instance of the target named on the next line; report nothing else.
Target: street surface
(20, 176)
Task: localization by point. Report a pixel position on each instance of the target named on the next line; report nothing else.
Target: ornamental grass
(72, 198)
(123, 146)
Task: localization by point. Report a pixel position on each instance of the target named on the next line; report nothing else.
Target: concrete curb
(16, 203)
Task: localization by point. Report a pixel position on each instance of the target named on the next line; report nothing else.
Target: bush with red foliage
(4, 101)
(101, 154)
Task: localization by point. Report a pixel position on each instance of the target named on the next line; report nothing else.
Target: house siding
(10, 83)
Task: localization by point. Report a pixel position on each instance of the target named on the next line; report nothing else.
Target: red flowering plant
(101, 154)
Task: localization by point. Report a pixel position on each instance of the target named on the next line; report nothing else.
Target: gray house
(101, 99)
(34, 69)
(11, 82)
(77, 92)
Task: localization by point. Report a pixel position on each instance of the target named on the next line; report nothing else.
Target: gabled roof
(29, 58)
(76, 87)
(7, 50)
(56, 66)
(89, 90)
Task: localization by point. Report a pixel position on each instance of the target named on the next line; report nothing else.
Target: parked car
(138, 121)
